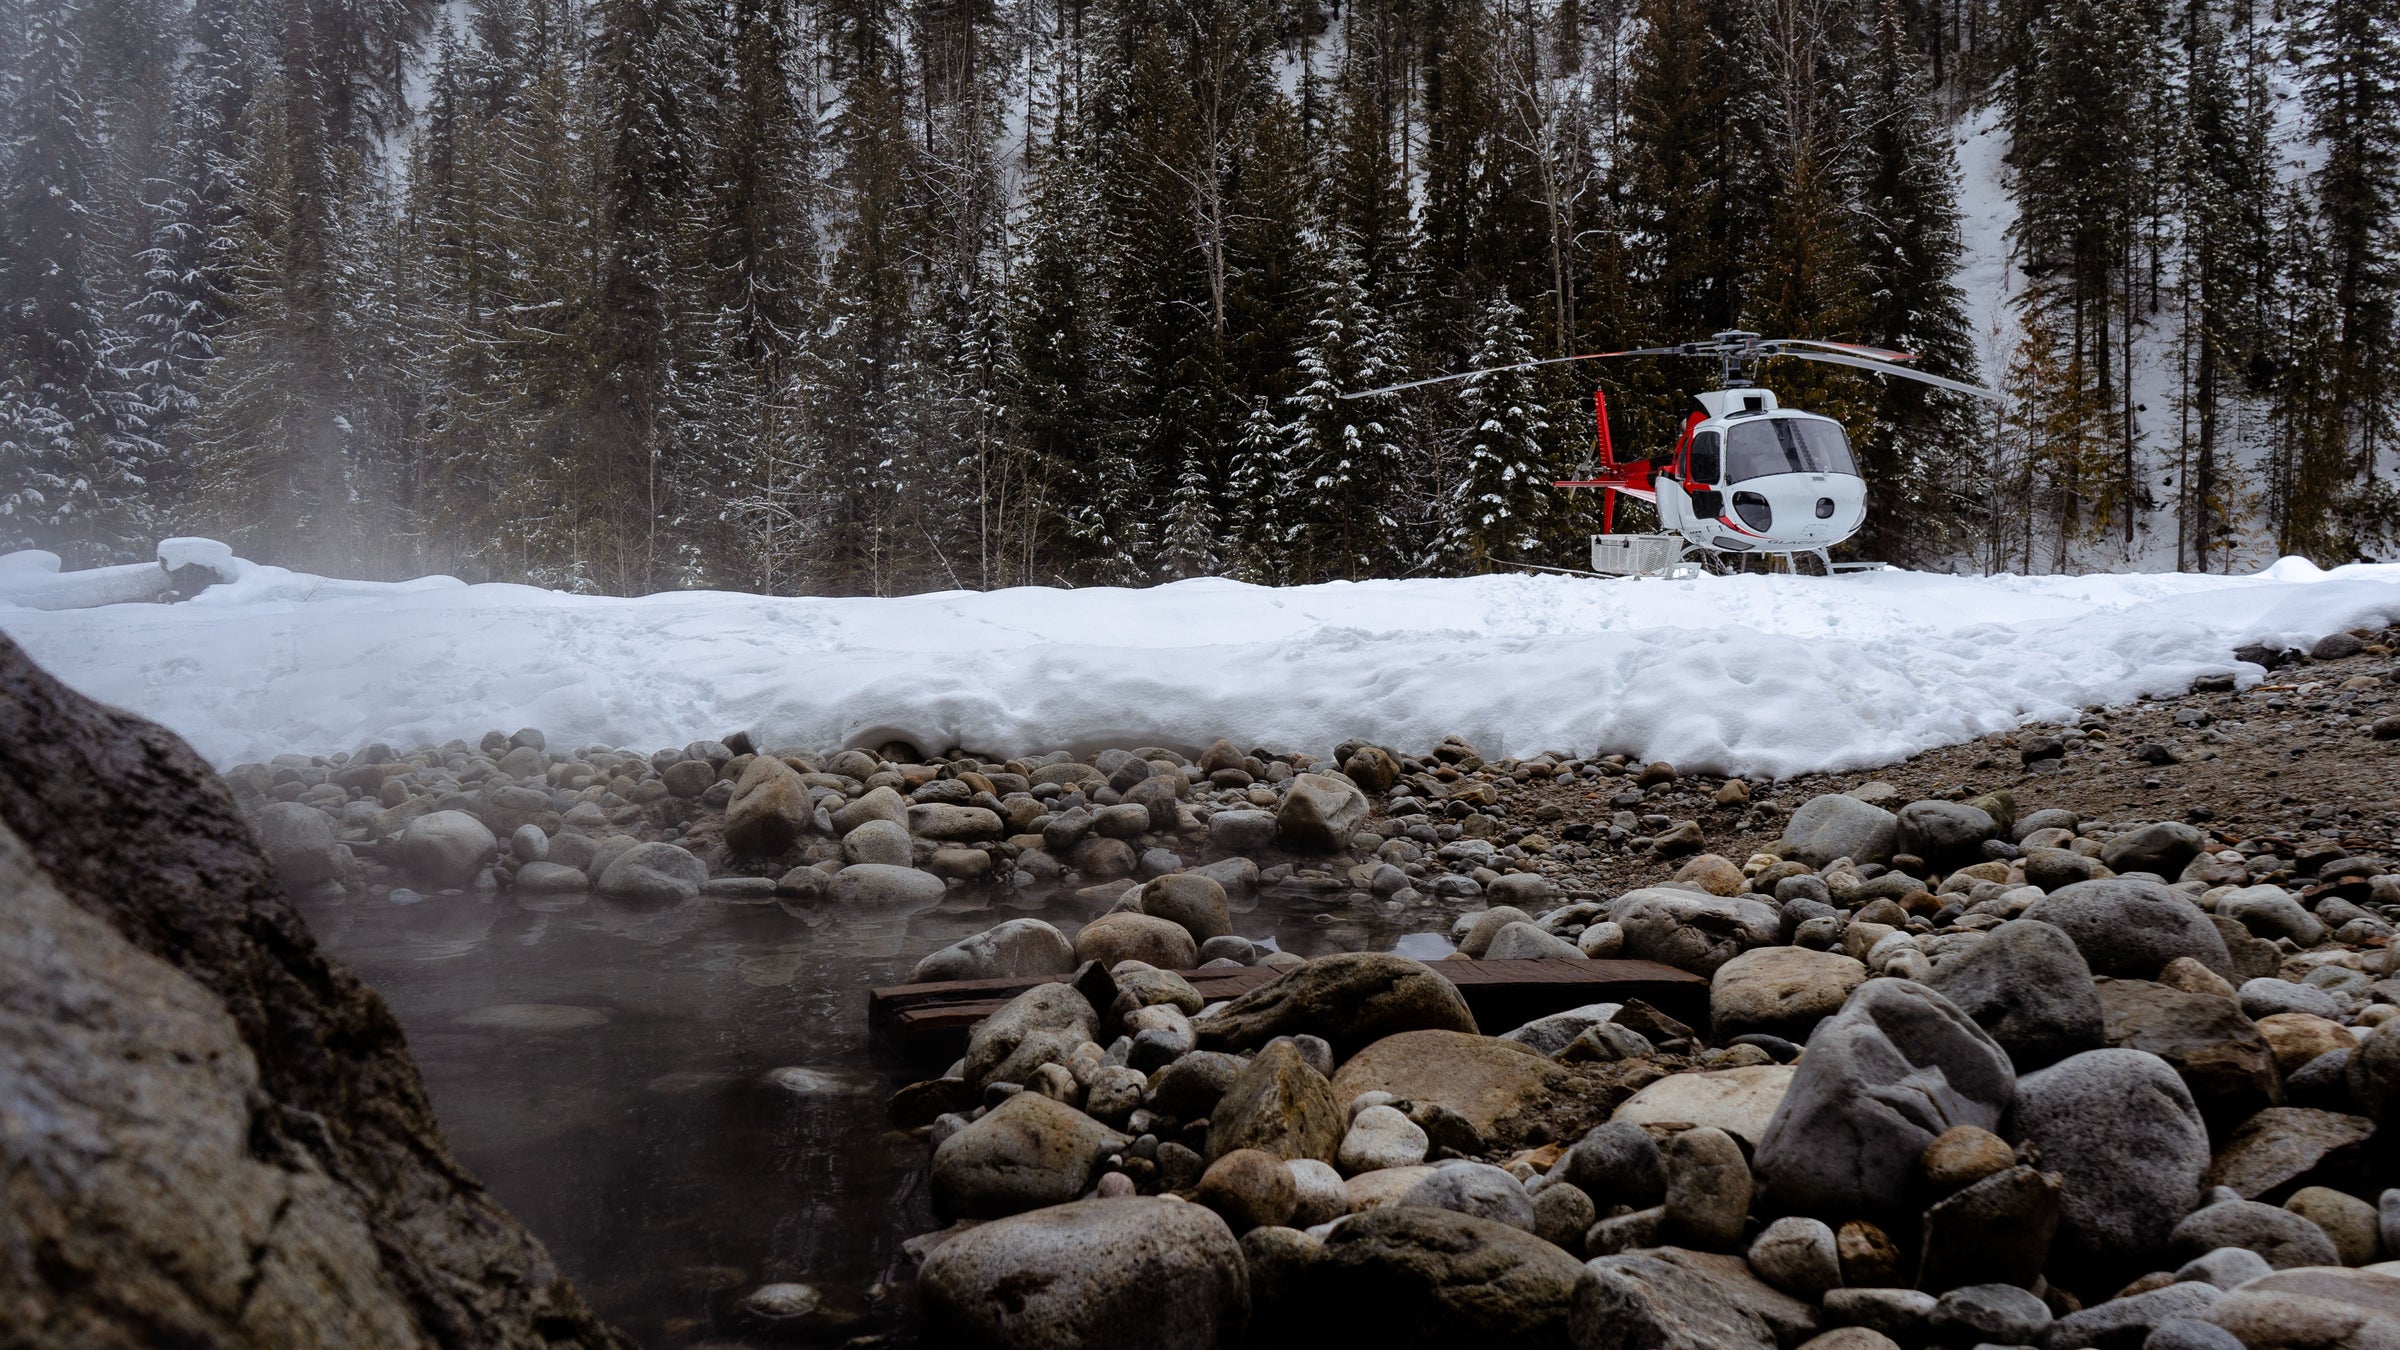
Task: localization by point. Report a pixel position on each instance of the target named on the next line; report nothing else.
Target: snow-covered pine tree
(460, 273)
(1678, 172)
(2310, 469)
(757, 238)
(864, 357)
(646, 50)
(2350, 59)
(1188, 543)
(1344, 458)
(1364, 195)
(1256, 492)
(1066, 375)
(1005, 494)
(2085, 125)
(184, 300)
(1918, 447)
(2224, 182)
(1502, 504)
(545, 197)
(71, 459)
(1802, 272)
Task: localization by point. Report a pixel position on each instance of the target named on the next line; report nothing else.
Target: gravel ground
(2295, 759)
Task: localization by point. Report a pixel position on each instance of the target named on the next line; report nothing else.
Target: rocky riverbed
(2064, 1037)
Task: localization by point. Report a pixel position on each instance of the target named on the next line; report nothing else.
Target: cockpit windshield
(1759, 446)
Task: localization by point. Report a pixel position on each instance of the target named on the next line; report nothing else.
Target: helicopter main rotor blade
(1521, 365)
(1886, 368)
(1844, 348)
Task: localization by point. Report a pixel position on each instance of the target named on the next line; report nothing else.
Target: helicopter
(1747, 476)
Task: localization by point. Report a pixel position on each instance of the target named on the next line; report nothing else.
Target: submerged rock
(1018, 948)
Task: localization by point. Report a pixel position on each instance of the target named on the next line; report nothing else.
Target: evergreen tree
(1343, 458)
(2083, 129)
(630, 426)
(1502, 505)
(1256, 492)
(1919, 447)
(759, 229)
(2350, 53)
(1364, 195)
(1188, 542)
(184, 299)
(71, 462)
(1679, 163)
(2313, 453)
(2224, 181)
(1065, 363)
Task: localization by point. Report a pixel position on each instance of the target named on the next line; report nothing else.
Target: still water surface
(683, 1103)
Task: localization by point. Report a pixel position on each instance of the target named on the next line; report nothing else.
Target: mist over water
(683, 1103)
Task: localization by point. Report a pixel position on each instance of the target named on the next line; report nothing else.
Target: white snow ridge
(1750, 674)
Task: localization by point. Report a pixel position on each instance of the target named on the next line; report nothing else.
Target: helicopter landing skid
(1669, 557)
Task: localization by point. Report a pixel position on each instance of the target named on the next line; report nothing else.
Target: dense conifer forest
(862, 297)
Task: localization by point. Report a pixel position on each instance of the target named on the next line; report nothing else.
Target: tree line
(855, 297)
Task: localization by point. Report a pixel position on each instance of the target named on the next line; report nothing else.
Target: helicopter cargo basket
(1635, 555)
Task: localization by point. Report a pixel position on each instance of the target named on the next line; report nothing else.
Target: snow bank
(1750, 674)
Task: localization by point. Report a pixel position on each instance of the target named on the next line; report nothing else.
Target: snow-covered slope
(1751, 674)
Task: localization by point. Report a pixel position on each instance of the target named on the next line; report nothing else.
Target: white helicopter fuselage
(1753, 477)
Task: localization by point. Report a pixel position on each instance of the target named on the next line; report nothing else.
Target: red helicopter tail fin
(1611, 478)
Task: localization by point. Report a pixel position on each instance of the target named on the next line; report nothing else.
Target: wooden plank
(931, 1021)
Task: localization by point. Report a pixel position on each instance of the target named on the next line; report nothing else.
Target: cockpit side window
(1757, 447)
(1707, 457)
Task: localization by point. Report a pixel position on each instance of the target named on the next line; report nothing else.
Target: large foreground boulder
(1278, 1105)
(2220, 1053)
(1137, 1273)
(1882, 1078)
(2029, 986)
(2122, 1129)
(1350, 999)
(1043, 1025)
(1780, 991)
(444, 849)
(300, 841)
(235, 1146)
(1319, 812)
(769, 809)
